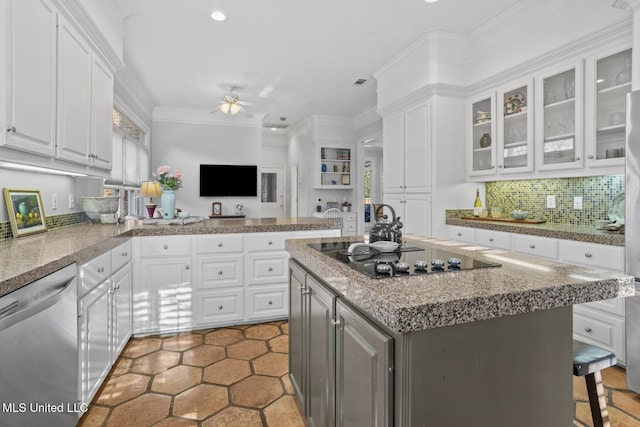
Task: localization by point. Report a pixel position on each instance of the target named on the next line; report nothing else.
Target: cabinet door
(321, 349)
(608, 82)
(417, 150)
(94, 323)
(515, 128)
(297, 334)
(74, 95)
(364, 377)
(101, 115)
(164, 300)
(122, 309)
(417, 214)
(31, 76)
(481, 135)
(559, 135)
(393, 159)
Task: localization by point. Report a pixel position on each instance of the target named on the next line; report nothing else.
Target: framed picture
(346, 179)
(216, 209)
(26, 214)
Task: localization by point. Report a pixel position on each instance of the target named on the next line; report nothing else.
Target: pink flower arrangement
(168, 179)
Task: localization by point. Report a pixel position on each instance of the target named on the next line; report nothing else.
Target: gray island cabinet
(483, 347)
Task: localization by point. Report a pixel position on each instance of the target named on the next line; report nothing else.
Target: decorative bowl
(517, 214)
(183, 214)
(96, 206)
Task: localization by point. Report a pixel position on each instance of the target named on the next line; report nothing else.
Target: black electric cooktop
(407, 260)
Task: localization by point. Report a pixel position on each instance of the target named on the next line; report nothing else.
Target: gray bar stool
(588, 361)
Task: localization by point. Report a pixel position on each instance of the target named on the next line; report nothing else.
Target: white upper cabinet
(609, 81)
(30, 120)
(559, 118)
(481, 126)
(101, 114)
(515, 127)
(406, 160)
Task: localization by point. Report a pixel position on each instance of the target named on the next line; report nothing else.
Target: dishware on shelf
(612, 153)
(519, 214)
(515, 103)
(485, 140)
(495, 212)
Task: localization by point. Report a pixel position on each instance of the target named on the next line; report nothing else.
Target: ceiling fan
(230, 104)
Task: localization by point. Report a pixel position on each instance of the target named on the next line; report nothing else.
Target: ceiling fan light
(234, 108)
(225, 108)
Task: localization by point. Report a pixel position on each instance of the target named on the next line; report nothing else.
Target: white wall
(47, 184)
(185, 146)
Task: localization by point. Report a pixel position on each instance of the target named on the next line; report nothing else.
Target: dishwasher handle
(27, 308)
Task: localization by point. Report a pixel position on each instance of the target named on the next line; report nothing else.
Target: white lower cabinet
(104, 316)
(216, 307)
(599, 323)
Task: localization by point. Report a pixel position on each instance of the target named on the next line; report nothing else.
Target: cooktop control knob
(402, 267)
(454, 262)
(384, 269)
(420, 265)
(437, 264)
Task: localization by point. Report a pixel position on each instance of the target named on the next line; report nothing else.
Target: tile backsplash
(531, 195)
(53, 222)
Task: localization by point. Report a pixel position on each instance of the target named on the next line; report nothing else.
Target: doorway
(272, 192)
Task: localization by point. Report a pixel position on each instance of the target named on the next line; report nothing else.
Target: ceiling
(286, 58)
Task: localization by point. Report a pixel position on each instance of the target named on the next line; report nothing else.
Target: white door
(272, 192)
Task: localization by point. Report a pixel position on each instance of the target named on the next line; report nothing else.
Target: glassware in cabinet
(613, 82)
(559, 128)
(482, 136)
(516, 129)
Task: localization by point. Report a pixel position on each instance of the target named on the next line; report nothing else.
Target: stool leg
(597, 400)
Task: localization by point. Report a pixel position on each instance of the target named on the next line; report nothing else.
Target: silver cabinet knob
(270, 269)
(220, 244)
(491, 239)
(532, 246)
(270, 303)
(590, 157)
(587, 329)
(220, 307)
(577, 159)
(166, 246)
(219, 272)
(335, 322)
(459, 234)
(187, 267)
(11, 129)
(587, 255)
(306, 292)
(270, 242)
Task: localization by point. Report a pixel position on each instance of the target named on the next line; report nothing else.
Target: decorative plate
(515, 103)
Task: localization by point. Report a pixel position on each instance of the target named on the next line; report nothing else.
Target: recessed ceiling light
(218, 15)
(431, 1)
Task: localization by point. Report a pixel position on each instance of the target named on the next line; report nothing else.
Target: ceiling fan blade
(245, 112)
(215, 110)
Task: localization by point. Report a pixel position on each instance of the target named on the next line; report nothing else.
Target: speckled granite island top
(29, 258)
(412, 303)
(556, 231)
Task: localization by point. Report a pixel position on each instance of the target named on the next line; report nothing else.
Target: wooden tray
(517, 221)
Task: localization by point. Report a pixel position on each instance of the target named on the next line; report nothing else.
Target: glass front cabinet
(559, 136)
(610, 80)
(515, 128)
(480, 121)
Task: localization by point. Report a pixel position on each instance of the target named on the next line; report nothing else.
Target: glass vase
(168, 204)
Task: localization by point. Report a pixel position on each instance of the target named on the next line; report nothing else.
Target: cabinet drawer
(461, 233)
(271, 268)
(94, 272)
(266, 241)
(534, 245)
(349, 227)
(219, 243)
(494, 239)
(218, 271)
(215, 307)
(121, 255)
(314, 234)
(613, 306)
(599, 329)
(165, 246)
(267, 302)
(591, 254)
(348, 216)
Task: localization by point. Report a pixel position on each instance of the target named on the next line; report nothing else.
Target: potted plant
(346, 206)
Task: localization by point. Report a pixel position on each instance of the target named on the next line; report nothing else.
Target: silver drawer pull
(270, 269)
(220, 244)
(124, 254)
(301, 287)
(587, 329)
(220, 307)
(491, 239)
(306, 292)
(187, 267)
(116, 286)
(270, 303)
(587, 255)
(219, 272)
(270, 242)
(532, 246)
(166, 246)
(335, 322)
(459, 234)
(11, 129)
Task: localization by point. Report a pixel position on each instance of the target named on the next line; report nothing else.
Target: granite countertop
(30, 258)
(556, 231)
(412, 303)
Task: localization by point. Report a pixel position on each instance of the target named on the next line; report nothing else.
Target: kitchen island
(484, 347)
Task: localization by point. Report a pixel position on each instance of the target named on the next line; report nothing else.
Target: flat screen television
(228, 180)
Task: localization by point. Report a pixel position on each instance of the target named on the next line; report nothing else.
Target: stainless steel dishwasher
(39, 352)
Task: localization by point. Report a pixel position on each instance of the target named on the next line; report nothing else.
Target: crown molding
(422, 95)
(366, 118)
(628, 5)
(194, 117)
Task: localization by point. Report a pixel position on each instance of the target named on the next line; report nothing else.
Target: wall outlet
(577, 202)
(551, 202)
(72, 201)
(54, 202)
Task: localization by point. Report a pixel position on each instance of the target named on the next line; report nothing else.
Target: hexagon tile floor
(238, 377)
